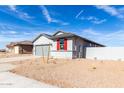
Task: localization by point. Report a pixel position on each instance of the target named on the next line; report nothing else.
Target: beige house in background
(22, 47)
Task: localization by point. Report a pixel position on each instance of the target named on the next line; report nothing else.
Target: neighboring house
(22, 47)
(62, 45)
(2, 50)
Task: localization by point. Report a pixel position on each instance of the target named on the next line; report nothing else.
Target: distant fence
(105, 53)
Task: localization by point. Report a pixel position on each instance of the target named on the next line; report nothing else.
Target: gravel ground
(76, 73)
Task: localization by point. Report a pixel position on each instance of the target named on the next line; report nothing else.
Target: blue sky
(103, 24)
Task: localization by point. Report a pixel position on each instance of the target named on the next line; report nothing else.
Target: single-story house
(22, 47)
(2, 50)
(62, 45)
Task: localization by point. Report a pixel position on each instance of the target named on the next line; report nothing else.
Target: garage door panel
(41, 50)
(45, 48)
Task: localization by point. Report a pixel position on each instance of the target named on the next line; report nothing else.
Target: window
(61, 44)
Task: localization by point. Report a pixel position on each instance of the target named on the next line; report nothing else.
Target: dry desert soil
(8, 55)
(79, 73)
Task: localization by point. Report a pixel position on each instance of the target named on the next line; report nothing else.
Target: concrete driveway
(11, 80)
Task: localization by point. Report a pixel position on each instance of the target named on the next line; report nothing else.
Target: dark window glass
(61, 44)
(61, 41)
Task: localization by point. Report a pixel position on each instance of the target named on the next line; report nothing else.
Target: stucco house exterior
(22, 47)
(62, 45)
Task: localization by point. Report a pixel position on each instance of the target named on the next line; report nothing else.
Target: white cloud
(27, 33)
(6, 39)
(60, 22)
(48, 17)
(16, 12)
(90, 31)
(94, 19)
(46, 14)
(99, 21)
(24, 15)
(12, 32)
(109, 39)
(12, 7)
(20, 14)
(110, 10)
(79, 14)
(9, 32)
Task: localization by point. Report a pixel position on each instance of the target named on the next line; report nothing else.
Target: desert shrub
(94, 68)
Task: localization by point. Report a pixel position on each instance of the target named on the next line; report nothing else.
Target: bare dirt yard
(11, 80)
(78, 73)
(7, 55)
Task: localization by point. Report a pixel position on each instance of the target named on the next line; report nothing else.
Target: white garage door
(42, 50)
